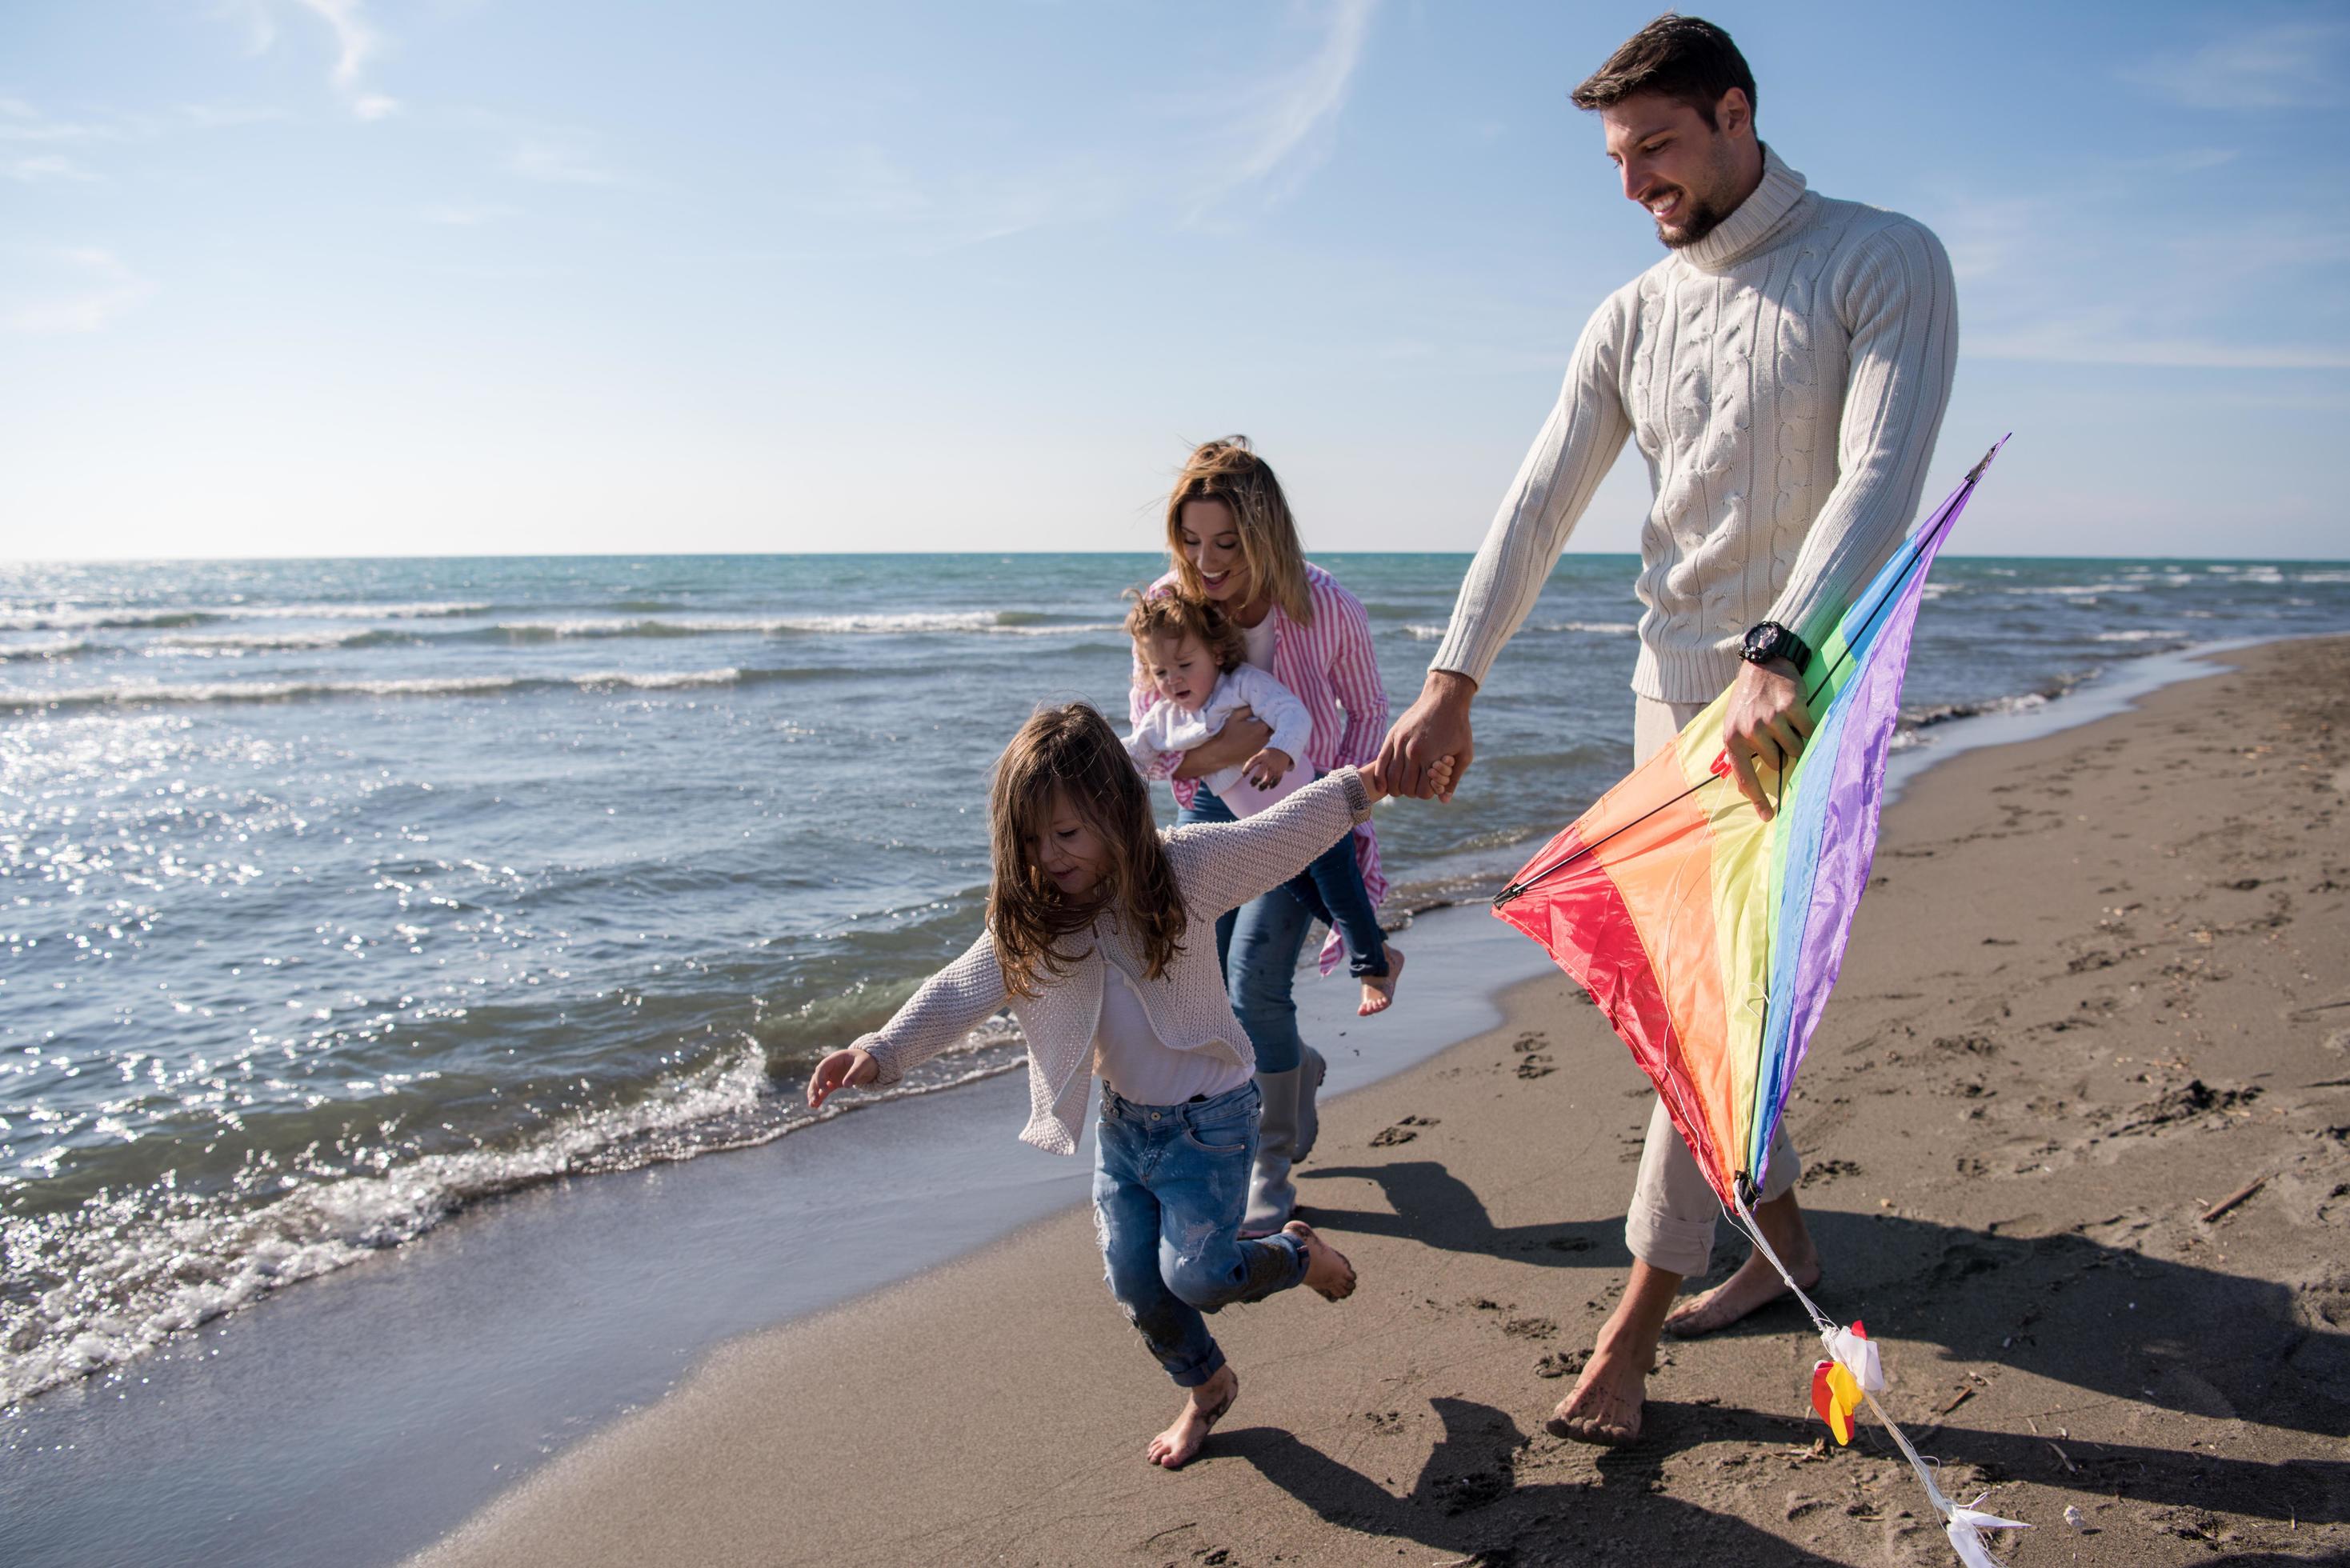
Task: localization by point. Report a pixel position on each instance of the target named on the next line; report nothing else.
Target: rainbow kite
(1711, 936)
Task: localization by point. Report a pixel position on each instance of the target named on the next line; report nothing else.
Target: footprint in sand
(1561, 1363)
(1403, 1131)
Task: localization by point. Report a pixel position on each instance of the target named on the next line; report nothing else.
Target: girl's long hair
(1072, 751)
(1231, 472)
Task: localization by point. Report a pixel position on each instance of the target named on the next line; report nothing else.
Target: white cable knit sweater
(1785, 378)
(1219, 866)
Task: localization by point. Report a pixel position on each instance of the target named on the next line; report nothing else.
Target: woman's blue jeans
(1259, 945)
(1171, 1183)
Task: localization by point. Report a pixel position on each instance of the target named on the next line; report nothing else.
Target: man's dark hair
(1685, 59)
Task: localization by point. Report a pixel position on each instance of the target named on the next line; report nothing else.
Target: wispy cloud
(356, 45)
(86, 289)
(2282, 64)
(560, 159)
(30, 168)
(2067, 281)
(223, 115)
(463, 215)
(1198, 156)
(1276, 130)
(21, 123)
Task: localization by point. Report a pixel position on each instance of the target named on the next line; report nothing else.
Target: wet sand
(2100, 987)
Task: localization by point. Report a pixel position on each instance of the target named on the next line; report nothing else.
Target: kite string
(1743, 1218)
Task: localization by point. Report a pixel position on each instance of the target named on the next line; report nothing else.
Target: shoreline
(488, 1256)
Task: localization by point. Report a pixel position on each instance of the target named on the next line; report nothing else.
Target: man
(1785, 370)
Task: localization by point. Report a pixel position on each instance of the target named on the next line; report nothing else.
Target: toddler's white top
(1168, 728)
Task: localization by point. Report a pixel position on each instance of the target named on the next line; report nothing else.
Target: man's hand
(1243, 736)
(1433, 730)
(854, 1068)
(1265, 769)
(1767, 721)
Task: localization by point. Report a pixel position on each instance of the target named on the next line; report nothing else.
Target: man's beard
(1703, 219)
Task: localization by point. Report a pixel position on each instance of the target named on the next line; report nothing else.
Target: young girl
(1233, 542)
(1095, 938)
(1196, 657)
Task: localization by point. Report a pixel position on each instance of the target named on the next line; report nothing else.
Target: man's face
(1686, 174)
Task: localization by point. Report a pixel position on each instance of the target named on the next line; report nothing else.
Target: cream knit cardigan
(1784, 379)
(1218, 866)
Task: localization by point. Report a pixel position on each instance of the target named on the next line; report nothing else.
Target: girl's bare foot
(1327, 1272)
(1604, 1407)
(1379, 989)
(1756, 1283)
(1174, 1448)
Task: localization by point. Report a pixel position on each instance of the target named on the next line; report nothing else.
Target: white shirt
(1260, 639)
(1130, 1058)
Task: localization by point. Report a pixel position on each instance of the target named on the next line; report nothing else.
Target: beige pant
(1669, 1222)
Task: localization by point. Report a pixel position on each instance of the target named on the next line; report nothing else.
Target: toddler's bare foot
(1379, 989)
(1756, 1283)
(1604, 1407)
(1327, 1272)
(1174, 1448)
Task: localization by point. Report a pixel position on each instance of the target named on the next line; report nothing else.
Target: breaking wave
(138, 693)
(108, 1281)
(66, 617)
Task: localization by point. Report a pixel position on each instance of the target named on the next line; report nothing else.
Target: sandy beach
(2100, 988)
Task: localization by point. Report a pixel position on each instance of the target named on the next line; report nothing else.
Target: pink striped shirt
(1329, 663)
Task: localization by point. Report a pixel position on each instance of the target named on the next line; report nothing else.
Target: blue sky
(366, 277)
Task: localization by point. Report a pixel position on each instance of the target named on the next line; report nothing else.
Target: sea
(337, 896)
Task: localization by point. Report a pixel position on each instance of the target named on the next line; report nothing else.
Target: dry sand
(2101, 984)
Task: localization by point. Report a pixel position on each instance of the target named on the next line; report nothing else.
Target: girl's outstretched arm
(950, 1005)
(1224, 865)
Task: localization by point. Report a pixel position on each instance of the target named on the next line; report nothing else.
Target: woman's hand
(1243, 736)
(852, 1068)
(1265, 769)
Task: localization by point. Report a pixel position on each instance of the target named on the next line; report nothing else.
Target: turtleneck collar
(1756, 221)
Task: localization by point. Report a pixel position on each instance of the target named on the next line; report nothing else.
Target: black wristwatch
(1771, 640)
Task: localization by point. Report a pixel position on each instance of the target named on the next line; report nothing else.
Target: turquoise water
(336, 895)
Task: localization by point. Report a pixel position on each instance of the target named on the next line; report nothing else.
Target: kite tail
(1960, 1522)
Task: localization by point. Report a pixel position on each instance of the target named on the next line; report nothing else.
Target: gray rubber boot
(1310, 1074)
(1271, 1196)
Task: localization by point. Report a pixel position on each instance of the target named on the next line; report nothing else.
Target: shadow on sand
(2099, 1317)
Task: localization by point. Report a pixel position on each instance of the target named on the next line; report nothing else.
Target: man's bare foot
(1604, 1407)
(1379, 989)
(1327, 1272)
(1174, 1448)
(1755, 1284)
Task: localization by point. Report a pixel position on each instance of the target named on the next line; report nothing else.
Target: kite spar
(1711, 936)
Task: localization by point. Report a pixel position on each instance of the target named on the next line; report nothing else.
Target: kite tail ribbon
(1858, 1356)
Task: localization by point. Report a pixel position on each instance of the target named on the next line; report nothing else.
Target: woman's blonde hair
(1174, 615)
(1072, 751)
(1231, 472)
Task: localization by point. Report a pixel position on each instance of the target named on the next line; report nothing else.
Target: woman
(1233, 542)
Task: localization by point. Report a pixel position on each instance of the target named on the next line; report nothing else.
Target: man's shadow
(1429, 1205)
(1468, 1501)
(2088, 1313)
(1471, 1497)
